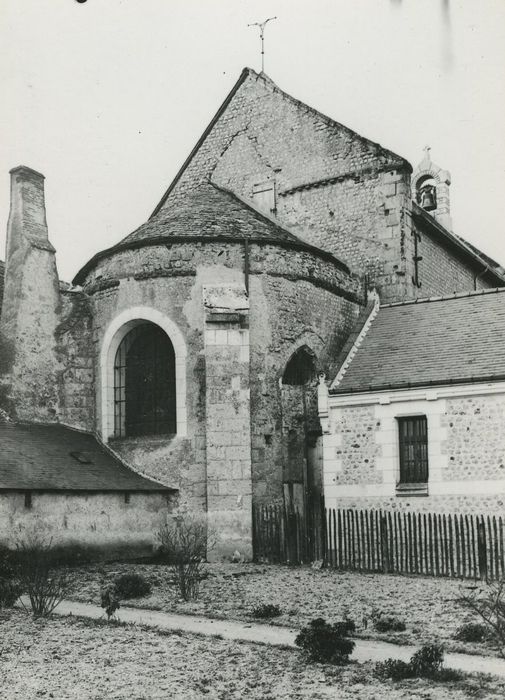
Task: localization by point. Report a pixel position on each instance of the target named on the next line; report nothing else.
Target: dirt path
(365, 650)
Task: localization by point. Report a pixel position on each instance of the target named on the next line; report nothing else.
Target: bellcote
(430, 189)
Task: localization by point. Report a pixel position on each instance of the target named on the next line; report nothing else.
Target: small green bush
(109, 600)
(9, 593)
(425, 663)
(471, 632)
(266, 611)
(131, 586)
(395, 669)
(327, 643)
(389, 623)
(427, 660)
(7, 563)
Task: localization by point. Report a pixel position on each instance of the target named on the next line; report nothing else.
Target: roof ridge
(455, 295)
(325, 117)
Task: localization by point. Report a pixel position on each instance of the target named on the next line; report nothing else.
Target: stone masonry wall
(441, 272)
(333, 188)
(466, 454)
(294, 299)
(74, 336)
(228, 419)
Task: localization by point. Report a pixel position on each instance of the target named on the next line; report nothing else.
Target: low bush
(327, 643)
(131, 586)
(266, 611)
(471, 632)
(488, 602)
(425, 663)
(40, 577)
(9, 593)
(184, 541)
(109, 600)
(389, 623)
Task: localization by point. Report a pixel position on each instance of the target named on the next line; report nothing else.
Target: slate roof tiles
(431, 341)
(57, 458)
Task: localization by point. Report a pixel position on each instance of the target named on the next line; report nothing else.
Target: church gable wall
(333, 188)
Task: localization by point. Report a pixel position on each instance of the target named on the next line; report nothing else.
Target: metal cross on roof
(262, 26)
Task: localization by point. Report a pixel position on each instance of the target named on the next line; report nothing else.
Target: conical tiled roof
(208, 212)
(211, 211)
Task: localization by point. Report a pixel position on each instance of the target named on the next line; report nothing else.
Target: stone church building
(180, 366)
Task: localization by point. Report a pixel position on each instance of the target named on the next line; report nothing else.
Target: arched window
(301, 368)
(144, 383)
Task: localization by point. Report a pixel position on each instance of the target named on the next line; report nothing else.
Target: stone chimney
(30, 305)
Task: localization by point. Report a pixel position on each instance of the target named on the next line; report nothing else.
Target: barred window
(413, 434)
(144, 383)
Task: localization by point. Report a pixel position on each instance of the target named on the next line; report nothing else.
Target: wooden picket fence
(287, 536)
(432, 544)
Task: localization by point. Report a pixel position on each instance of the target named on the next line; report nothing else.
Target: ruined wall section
(76, 375)
(333, 188)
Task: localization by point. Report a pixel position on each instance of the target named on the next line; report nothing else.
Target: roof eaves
(448, 297)
(430, 383)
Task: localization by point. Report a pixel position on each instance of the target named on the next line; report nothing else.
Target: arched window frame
(306, 349)
(117, 329)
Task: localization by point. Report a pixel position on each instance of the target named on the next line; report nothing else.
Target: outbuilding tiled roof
(431, 341)
(57, 458)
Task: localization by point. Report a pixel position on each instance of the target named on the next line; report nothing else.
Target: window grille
(300, 369)
(413, 434)
(144, 383)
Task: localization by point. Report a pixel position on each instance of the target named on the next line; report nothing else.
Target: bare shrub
(488, 603)
(184, 541)
(41, 576)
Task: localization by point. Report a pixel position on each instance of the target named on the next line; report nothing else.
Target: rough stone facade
(466, 450)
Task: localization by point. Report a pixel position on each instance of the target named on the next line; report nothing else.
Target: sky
(108, 97)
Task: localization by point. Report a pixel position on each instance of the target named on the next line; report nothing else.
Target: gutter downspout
(479, 275)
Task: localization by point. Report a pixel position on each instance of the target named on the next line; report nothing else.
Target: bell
(428, 200)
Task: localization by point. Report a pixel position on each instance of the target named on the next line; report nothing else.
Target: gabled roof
(57, 458)
(209, 212)
(250, 73)
(434, 341)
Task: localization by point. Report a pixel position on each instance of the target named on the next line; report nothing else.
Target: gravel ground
(427, 605)
(71, 658)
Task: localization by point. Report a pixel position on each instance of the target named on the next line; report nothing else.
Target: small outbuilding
(415, 418)
(67, 486)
